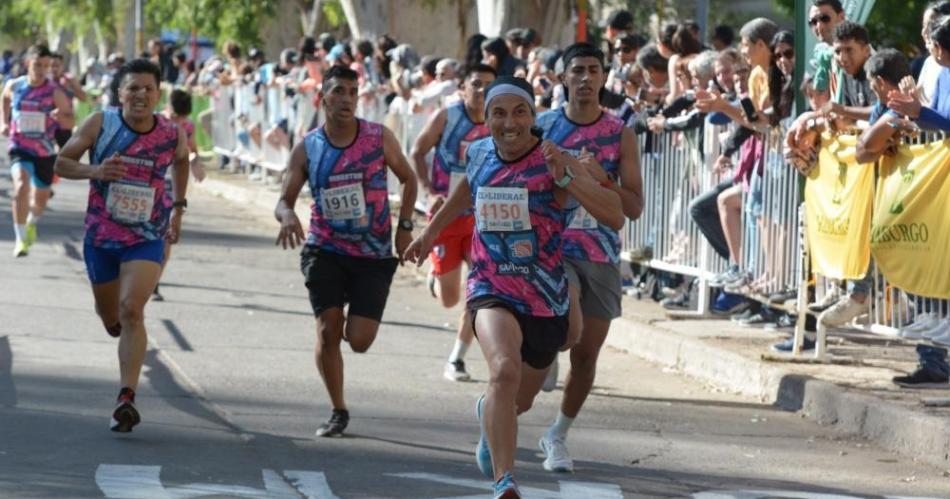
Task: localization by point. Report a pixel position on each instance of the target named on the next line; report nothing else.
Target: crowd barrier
(676, 167)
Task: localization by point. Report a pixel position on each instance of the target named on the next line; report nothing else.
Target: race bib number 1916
(343, 203)
(502, 209)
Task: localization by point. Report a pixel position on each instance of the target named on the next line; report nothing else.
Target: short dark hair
(232, 49)
(429, 63)
(834, 4)
(621, 20)
(497, 47)
(37, 50)
(759, 29)
(725, 34)
(634, 41)
(582, 49)
(649, 57)
(365, 48)
(181, 102)
(340, 73)
(56, 55)
(684, 43)
(138, 66)
(327, 42)
(848, 30)
(889, 64)
(478, 68)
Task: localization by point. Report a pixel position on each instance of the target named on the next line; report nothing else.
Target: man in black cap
(618, 24)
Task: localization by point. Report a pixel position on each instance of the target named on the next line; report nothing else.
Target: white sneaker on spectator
(825, 303)
(722, 278)
(843, 312)
(923, 322)
(941, 328)
(737, 285)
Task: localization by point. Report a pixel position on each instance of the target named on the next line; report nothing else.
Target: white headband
(508, 89)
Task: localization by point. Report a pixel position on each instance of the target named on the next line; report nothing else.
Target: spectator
(723, 37)
(664, 41)
(495, 53)
(620, 23)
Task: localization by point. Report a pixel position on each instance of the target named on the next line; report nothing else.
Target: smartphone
(748, 109)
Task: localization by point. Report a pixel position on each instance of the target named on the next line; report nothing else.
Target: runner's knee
(505, 373)
(131, 311)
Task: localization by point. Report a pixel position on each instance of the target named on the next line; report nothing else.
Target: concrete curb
(893, 426)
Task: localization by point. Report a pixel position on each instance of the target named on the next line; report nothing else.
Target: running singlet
(33, 127)
(585, 239)
(135, 209)
(516, 251)
(448, 166)
(350, 211)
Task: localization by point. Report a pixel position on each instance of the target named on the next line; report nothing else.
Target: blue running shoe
(482, 451)
(728, 304)
(506, 488)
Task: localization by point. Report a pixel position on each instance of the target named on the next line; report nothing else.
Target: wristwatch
(183, 204)
(566, 179)
(405, 224)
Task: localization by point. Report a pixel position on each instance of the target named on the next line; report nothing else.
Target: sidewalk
(857, 396)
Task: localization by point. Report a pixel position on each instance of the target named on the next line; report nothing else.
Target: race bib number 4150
(344, 203)
(502, 209)
(130, 204)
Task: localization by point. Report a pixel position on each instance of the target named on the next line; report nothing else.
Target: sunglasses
(824, 18)
(788, 54)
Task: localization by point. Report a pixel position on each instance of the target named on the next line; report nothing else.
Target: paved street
(230, 396)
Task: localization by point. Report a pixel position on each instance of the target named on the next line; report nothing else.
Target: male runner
(591, 250)
(347, 258)
(451, 131)
(131, 215)
(29, 109)
(72, 89)
(517, 288)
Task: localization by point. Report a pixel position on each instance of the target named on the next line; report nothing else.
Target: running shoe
(125, 415)
(156, 295)
(843, 312)
(556, 457)
(30, 234)
(550, 381)
(335, 425)
(506, 488)
(455, 371)
(728, 304)
(788, 345)
(21, 249)
(922, 378)
(482, 451)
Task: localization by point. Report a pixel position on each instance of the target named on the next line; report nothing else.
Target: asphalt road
(230, 396)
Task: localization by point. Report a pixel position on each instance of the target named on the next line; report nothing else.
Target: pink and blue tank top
(586, 239)
(448, 166)
(350, 211)
(516, 248)
(33, 127)
(135, 209)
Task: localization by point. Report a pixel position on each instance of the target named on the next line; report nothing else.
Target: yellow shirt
(759, 88)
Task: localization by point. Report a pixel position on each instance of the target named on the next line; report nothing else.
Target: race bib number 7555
(502, 209)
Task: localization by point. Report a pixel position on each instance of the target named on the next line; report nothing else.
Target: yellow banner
(910, 233)
(838, 196)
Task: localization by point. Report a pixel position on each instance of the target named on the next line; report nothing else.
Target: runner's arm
(293, 182)
(64, 111)
(5, 108)
(397, 162)
(459, 200)
(77, 89)
(67, 161)
(602, 203)
(630, 189)
(424, 143)
(181, 167)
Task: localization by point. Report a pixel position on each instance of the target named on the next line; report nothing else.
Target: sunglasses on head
(824, 18)
(788, 54)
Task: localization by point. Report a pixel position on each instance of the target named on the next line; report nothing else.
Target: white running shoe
(556, 458)
(941, 327)
(455, 371)
(843, 312)
(922, 323)
(550, 382)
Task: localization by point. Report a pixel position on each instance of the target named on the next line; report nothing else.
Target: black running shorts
(542, 337)
(334, 280)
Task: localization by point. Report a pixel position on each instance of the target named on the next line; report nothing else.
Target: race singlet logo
(344, 203)
(502, 209)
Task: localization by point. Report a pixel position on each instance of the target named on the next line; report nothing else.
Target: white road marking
(568, 490)
(790, 494)
(118, 481)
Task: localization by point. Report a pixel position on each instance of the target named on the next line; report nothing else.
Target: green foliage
(220, 20)
(333, 10)
(892, 23)
(26, 19)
